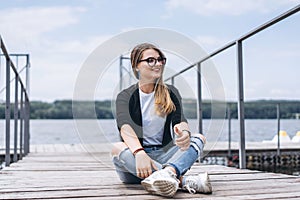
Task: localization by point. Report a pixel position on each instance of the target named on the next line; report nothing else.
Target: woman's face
(146, 70)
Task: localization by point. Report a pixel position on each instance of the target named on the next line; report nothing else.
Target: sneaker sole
(161, 187)
(208, 187)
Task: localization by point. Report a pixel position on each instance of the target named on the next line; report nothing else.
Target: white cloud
(56, 58)
(59, 73)
(55, 63)
(228, 7)
(26, 25)
(81, 46)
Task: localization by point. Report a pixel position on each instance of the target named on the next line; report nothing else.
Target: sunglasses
(152, 61)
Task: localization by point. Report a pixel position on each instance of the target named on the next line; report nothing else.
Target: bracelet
(189, 132)
(138, 150)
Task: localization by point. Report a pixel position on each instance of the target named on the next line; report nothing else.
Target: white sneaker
(197, 183)
(162, 182)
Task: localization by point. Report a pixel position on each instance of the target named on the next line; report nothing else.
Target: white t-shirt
(153, 125)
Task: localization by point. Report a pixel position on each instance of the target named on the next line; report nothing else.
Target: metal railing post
(23, 113)
(26, 126)
(7, 114)
(27, 74)
(241, 114)
(199, 81)
(16, 116)
(121, 68)
(229, 129)
(278, 130)
(121, 72)
(21, 122)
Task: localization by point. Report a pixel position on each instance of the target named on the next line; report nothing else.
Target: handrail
(22, 114)
(203, 59)
(7, 56)
(239, 57)
(244, 37)
(271, 22)
(11, 80)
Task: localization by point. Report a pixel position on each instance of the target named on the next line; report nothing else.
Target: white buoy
(296, 138)
(283, 136)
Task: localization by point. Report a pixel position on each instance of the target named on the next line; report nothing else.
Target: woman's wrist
(138, 150)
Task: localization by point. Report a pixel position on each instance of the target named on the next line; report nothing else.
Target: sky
(61, 36)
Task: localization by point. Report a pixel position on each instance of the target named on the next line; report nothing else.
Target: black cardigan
(128, 111)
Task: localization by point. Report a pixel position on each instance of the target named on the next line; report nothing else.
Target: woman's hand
(183, 138)
(144, 164)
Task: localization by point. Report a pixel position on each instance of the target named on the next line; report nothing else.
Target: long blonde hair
(163, 102)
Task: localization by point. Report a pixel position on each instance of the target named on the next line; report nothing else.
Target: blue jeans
(180, 160)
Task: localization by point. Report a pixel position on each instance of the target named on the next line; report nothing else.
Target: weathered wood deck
(69, 172)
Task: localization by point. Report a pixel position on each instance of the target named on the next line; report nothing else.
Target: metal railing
(21, 104)
(239, 57)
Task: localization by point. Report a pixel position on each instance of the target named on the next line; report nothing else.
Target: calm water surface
(86, 131)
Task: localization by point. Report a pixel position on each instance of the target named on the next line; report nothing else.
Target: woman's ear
(137, 73)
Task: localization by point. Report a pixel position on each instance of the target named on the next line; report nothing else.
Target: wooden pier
(72, 172)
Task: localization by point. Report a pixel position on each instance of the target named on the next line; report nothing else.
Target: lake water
(91, 131)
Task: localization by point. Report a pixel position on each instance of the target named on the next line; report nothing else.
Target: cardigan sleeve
(122, 109)
(128, 110)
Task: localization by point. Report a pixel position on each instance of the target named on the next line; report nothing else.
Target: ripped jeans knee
(197, 144)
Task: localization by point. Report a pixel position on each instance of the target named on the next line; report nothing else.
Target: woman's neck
(146, 87)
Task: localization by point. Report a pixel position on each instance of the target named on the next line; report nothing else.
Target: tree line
(64, 109)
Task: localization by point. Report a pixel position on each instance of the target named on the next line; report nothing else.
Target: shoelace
(167, 174)
(190, 186)
(174, 176)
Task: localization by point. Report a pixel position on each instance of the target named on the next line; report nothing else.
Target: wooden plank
(137, 190)
(61, 173)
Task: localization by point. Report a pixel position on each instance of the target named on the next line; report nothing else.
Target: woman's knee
(201, 137)
(117, 148)
(198, 142)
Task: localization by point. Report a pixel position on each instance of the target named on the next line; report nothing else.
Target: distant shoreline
(64, 109)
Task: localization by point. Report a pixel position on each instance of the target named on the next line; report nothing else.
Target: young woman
(148, 113)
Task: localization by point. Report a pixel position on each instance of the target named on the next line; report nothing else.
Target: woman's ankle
(171, 168)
